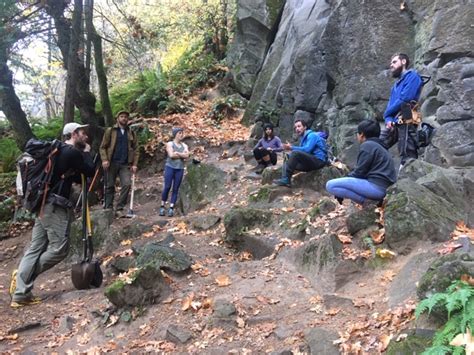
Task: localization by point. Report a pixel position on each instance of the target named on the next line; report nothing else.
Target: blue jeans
(172, 176)
(358, 190)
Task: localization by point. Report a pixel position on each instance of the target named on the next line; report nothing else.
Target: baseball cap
(72, 126)
(120, 112)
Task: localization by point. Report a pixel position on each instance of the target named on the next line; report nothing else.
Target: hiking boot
(284, 181)
(27, 302)
(162, 211)
(170, 212)
(13, 282)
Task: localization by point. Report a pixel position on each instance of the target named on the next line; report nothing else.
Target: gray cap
(72, 127)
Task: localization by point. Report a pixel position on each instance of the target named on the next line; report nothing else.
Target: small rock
(206, 222)
(177, 334)
(66, 323)
(223, 308)
(320, 341)
(282, 332)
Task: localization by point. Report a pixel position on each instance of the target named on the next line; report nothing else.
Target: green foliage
(225, 106)
(47, 131)
(458, 301)
(266, 113)
(154, 92)
(9, 152)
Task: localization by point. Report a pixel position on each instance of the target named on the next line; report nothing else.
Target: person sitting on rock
(266, 148)
(310, 155)
(374, 171)
(177, 152)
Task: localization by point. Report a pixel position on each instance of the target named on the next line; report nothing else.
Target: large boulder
(145, 286)
(201, 184)
(415, 213)
(254, 32)
(443, 271)
(317, 179)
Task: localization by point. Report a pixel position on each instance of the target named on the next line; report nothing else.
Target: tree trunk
(11, 107)
(84, 100)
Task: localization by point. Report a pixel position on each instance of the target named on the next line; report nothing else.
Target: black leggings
(301, 161)
(260, 153)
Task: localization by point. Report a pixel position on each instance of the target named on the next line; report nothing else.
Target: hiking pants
(125, 175)
(302, 161)
(405, 135)
(260, 153)
(172, 177)
(49, 245)
(358, 190)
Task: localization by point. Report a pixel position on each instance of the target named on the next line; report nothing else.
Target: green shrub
(458, 301)
(49, 130)
(9, 152)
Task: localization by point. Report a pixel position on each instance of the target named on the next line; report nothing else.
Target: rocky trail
(274, 270)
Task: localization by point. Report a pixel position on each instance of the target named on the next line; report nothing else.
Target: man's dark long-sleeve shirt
(70, 163)
(375, 164)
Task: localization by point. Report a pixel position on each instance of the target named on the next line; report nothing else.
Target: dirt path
(274, 303)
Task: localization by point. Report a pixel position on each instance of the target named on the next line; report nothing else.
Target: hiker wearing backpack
(266, 148)
(177, 152)
(119, 153)
(50, 235)
(374, 171)
(406, 90)
(310, 155)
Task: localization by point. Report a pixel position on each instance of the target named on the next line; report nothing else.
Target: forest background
(64, 61)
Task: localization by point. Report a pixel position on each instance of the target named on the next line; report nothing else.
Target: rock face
(329, 60)
(255, 30)
(201, 184)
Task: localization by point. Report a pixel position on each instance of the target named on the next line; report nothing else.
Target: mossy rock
(162, 256)
(145, 286)
(443, 272)
(201, 185)
(415, 213)
(318, 254)
(361, 219)
(238, 220)
(412, 344)
(317, 179)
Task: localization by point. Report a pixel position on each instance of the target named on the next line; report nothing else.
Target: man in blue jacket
(310, 155)
(406, 89)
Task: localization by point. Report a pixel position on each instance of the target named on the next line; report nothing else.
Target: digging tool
(87, 273)
(130, 213)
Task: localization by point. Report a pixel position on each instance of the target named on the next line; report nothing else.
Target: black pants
(405, 135)
(260, 153)
(301, 161)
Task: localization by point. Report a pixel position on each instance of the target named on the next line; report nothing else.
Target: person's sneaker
(13, 282)
(162, 211)
(28, 302)
(170, 212)
(284, 181)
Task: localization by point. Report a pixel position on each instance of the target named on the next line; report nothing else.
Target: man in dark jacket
(119, 154)
(310, 155)
(406, 89)
(374, 172)
(50, 235)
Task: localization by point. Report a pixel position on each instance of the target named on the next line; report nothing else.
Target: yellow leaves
(9, 337)
(385, 253)
(223, 280)
(125, 242)
(462, 230)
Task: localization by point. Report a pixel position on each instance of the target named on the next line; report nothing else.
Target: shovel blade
(86, 274)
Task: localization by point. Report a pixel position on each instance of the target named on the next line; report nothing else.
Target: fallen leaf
(332, 311)
(187, 302)
(240, 322)
(385, 340)
(223, 280)
(378, 236)
(126, 242)
(385, 253)
(468, 279)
